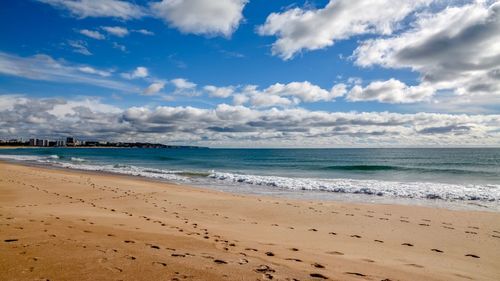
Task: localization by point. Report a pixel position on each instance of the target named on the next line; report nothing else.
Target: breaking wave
(421, 190)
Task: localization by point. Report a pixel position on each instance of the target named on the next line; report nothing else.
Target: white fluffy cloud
(300, 29)
(390, 91)
(226, 125)
(240, 99)
(202, 17)
(208, 17)
(305, 91)
(292, 93)
(139, 72)
(144, 32)
(154, 88)
(92, 34)
(263, 100)
(181, 83)
(455, 49)
(116, 30)
(101, 8)
(277, 94)
(219, 92)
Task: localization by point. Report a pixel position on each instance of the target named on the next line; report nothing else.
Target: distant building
(70, 141)
(33, 142)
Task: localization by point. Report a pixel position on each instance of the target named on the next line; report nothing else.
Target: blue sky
(333, 57)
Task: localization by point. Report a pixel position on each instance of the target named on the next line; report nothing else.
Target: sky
(252, 73)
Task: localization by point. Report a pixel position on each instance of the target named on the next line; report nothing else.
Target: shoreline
(202, 234)
(390, 201)
(314, 195)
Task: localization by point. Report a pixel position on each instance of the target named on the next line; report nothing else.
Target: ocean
(447, 177)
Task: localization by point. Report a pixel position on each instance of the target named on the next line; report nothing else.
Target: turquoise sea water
(463, 175)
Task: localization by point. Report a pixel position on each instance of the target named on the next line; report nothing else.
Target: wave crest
(421, 190)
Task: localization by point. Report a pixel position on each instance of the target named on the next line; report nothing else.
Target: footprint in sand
(318, 275)
(407, 244)
(10, 240)
(159, 263)
(437, 250)
(335, 253)
(472, 256)
(317, 265)
(355, 273)
(264, 269)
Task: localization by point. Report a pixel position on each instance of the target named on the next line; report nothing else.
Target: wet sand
(70, 225)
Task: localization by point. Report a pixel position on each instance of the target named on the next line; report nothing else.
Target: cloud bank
(457, 49)
(227, 125)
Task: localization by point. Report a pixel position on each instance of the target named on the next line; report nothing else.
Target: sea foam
(421, 190)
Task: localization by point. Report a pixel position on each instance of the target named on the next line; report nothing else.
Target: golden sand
(70, 225)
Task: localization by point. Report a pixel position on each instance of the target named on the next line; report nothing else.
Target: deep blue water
(447, 174)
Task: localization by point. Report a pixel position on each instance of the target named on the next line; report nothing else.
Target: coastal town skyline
(75, 142)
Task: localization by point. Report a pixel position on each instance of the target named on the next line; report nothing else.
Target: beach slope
(71, 225)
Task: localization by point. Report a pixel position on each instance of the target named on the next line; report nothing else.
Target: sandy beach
(70, 225)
